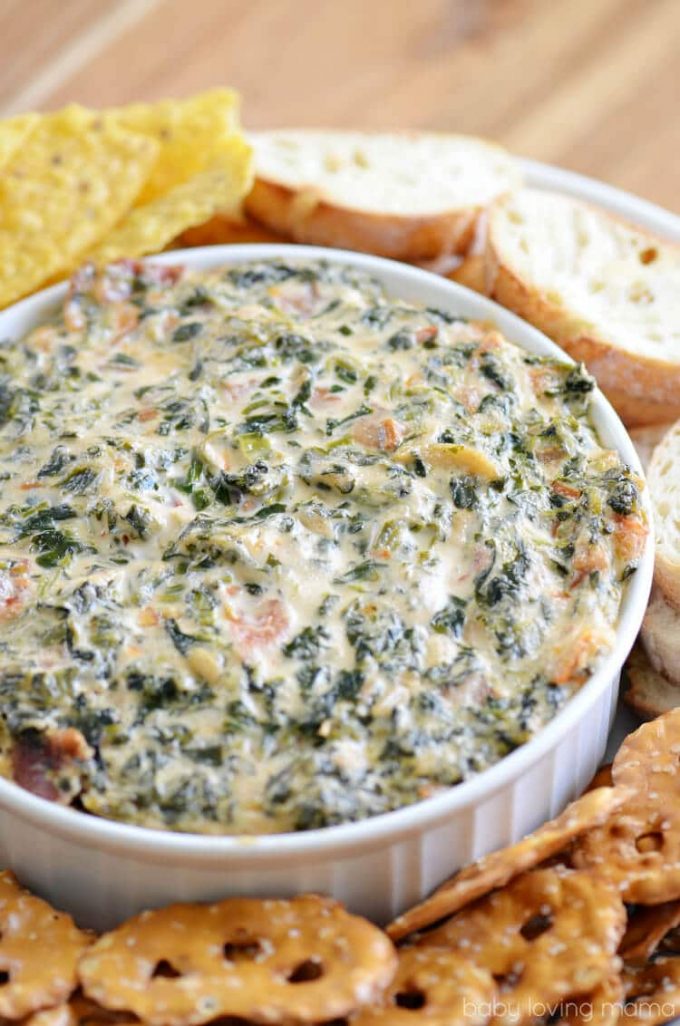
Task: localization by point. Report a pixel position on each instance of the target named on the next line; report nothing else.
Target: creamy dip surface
(279, 551)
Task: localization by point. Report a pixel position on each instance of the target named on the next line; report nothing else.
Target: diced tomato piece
(566, 490)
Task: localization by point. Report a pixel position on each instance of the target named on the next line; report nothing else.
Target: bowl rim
(95, 831)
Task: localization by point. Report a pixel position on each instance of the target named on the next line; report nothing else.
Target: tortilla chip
(192, 135)
(63, 192)
(150, 228)
(13, 132)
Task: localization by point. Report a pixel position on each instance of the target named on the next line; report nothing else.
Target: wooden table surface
(592, 85)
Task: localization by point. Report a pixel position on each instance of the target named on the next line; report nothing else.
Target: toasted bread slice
(648, 693)
(607, 292)
(661, 637)
(646, 439)
(664, 487)
(410, 196)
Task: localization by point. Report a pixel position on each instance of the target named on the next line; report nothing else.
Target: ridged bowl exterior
(102, 871)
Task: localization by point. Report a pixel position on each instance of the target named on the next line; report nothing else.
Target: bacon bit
(159, 274)
(571, 664)
(482, 559)
(587, 560)
(36, 757)
(74, 318)
(267, 627)
(81, 281)
(238, 389)
(301, 299)
(543, 379)
(377, 432)
(26, 486)
(148, 414)
(491, 342)
(555, 452)
(630, 536)
(126, 318)
(44, 339)
(321, 395)
(567, 490)
(148, 617)
(469, 396)
(12, 588)
(381, 553)
(426, 334)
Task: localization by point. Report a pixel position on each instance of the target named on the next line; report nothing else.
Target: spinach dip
(279, 551)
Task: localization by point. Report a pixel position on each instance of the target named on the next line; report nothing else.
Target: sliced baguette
(663, 478)
(604, 290)
(648, 693)
(661, 637)
(410, 196)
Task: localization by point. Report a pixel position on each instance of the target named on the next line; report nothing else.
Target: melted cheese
(287, 552)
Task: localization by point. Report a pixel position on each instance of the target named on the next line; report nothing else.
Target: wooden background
(592, 85)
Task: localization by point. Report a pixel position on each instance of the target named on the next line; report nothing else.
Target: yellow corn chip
(62, 192)
(150, 228)
(13, 132)
(192, 135)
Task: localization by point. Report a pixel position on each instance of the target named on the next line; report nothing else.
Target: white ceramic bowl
(101, 870)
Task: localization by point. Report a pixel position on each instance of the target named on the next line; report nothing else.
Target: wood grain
(589, 84)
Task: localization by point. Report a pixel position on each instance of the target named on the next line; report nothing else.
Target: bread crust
(642, 413)
(648, 693)
(306, 217)
(642, 389)
(667, 561)
(660, 636)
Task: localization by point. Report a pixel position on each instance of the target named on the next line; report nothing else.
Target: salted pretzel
(434, 986)
(639, 848)
(499, 867)
(516, 934)
(39, 951)
(652, 992)
(646, 930)
(301, 960)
